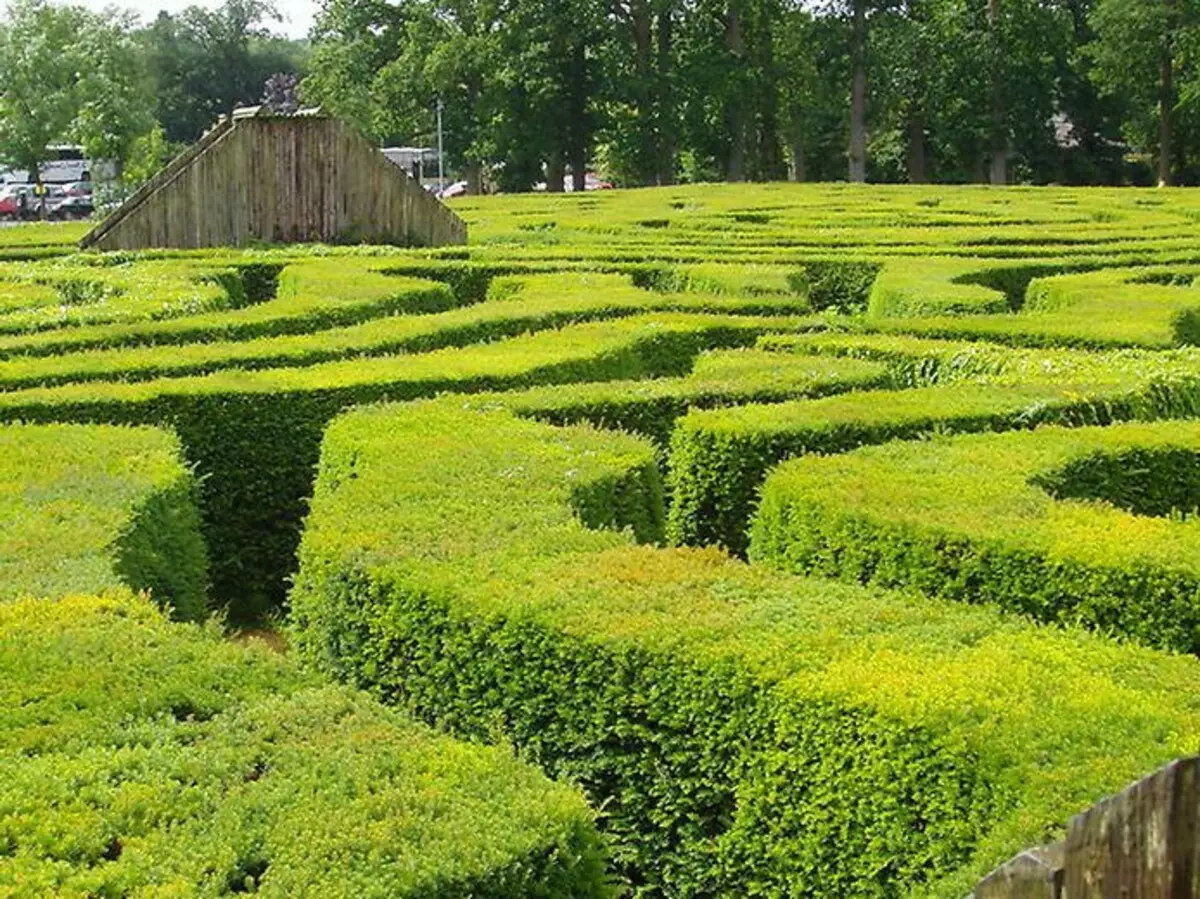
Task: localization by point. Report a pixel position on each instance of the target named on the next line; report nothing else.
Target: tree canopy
(644, 91)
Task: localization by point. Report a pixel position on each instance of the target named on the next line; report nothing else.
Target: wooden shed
(257, 176)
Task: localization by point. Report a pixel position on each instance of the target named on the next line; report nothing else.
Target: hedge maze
(771, 541)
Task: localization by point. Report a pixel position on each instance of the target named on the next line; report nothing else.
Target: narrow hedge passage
(139, 755)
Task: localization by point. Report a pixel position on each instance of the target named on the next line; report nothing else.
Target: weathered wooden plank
(1034, 874)
(1141, 842)
(278, 179)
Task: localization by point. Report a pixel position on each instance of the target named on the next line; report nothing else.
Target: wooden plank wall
(280, 179)
(1143, 843)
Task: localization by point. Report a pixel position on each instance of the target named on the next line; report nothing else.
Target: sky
(297, 14)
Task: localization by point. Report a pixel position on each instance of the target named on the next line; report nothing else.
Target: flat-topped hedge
(1093, 526)
(310, 295)
(719, 458)
(254, 434)
(94, 508)
(746, 732)
(1095, 310)
(515, 306)
(139, 757)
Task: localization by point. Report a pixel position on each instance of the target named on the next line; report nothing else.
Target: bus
(65, 164)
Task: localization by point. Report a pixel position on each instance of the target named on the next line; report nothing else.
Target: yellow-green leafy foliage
(87, 509)
(540, 531)
(140, 757)
(738, 726)
(1095, 526)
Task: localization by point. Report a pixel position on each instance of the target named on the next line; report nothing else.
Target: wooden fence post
(1142, 843)
(1034, 874)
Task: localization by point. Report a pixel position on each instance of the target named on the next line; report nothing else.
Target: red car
(10, 201)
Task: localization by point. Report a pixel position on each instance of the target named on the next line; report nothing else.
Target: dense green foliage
(644, 91)
(141, 757)
(984, 519)
(138, 755)
(658, 92)
(485, 549)
(88, 509)
(743, 730)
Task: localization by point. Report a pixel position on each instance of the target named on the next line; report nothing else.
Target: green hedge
(1093, 526)
(650, 407)
(719, 458)
(139, 757)
(254, 435)
(518, 305)
(93, 508)
(746, 732)
(311, 294)
(1098, 310)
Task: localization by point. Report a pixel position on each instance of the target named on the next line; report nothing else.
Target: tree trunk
(666, 99)
(917, 173)
(474, 167)
(736, 110)
(1166, 117)
(999, 133)
(474, 178)
(556, 171)
(578, 169)
(578, 130)
(858, 94)
(796, 168)
(771, 166)
(643, 91)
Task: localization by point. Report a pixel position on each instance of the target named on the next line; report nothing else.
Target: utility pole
(441, 167)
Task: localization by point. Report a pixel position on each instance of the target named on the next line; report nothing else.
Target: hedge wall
(1093, 526)
(254, 435)
(719, 458)
(139, 757)
(90, 509)
(538, 302)
(745, 732)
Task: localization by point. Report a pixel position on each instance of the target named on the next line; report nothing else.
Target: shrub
(1056, 524)
(745, 732)
(90, 509)
(719, 458)
(254, 435)
(139, 757)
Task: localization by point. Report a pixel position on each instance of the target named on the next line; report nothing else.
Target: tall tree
(1140, 53)
(66, 73)
(207, 62)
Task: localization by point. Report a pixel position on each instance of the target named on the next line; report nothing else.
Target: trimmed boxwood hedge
(1093, 526)
(745, 732)
(719, 458)
(516, 306)
(254, 435)
(139, 757)
(94, 508)
(1096, 310)
(650, 407)
(310, 295)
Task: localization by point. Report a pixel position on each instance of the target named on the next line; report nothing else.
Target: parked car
(457, 189)
(78, 189)
(11, 206)
(78, 206)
